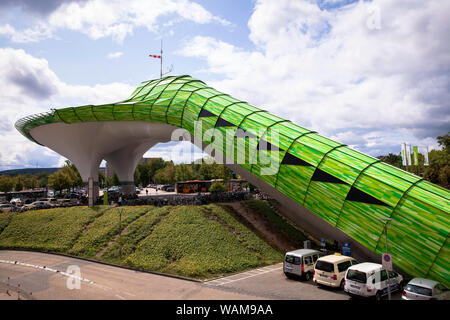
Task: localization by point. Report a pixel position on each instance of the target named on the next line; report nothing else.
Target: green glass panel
(293, 181)
(358, 155)
(431, 199)
(326, 199)
(433, 188)
(104, 112)
(142, 112)
(361, 221)
(387, 178)
(324, 140)
(394, 171)
(440, 269)
(159, 113)
(338, 169)
(68, 114)
(378, 189)
(307, 152)
(123, 112)
(413, 243)
(344, 158)
(85, 113)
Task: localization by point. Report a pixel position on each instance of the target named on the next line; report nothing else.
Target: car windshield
(419, 290)
(357, 276)
(324, 266)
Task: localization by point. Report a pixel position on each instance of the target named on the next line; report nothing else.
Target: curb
(108, 264)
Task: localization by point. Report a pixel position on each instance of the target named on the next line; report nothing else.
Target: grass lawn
(191, 241)
(48, 230)
(200, 242)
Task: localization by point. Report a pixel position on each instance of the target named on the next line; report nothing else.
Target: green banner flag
(416, 156)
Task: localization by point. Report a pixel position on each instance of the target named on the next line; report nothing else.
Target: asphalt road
(35, 275)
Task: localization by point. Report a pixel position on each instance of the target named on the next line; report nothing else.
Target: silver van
(300, 263)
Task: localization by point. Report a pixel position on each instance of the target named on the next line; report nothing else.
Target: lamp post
(386, 220)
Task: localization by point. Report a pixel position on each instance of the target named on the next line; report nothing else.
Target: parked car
(7, 207)
(330, 270)
(65, 202)
(425, 289)
(170, 189)
(16, 202)
(300, 263)
(370, 280)
(52, 202)
(36, 205)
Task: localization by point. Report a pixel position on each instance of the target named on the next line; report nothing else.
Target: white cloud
(29, 86)
(111, 18)
(178, 152)
(35, 34)
(114, 55)
(335, 71)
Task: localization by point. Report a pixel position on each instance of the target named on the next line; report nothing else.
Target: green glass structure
(346, 188)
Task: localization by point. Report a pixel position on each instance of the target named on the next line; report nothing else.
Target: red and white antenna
(161, 58)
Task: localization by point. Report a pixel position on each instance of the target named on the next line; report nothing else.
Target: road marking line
(46, 269)
(229, 279)
(120, 297)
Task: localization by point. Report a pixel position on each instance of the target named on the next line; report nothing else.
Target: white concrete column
(123, 161)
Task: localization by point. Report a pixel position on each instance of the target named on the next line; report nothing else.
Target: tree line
(158, 171)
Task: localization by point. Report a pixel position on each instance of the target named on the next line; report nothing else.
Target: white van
(371, 280)
(300, 263)
(330, 270)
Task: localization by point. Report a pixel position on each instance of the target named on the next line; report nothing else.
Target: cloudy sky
(371, 74)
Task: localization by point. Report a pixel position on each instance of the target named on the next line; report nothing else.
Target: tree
(59, 181)
(145, 171)
(393, 159)
(101, 179)
(166, 175)
(217, 187)
(72, 172)
(6, 183)
(115, 180)
(439, 169)
(444, 141)
(30, 182)
(18, 184)
(184, 172)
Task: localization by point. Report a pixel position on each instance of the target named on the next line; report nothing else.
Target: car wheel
(400, 286)
(342, 284)
(307, 276)
(378, 296)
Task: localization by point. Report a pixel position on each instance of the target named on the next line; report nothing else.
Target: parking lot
(271, 283)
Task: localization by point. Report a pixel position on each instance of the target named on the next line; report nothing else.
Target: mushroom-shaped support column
(124, 161)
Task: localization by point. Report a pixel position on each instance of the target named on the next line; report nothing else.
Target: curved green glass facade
(344, 187)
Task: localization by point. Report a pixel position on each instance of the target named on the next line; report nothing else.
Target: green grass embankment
(200, 242)
(191, 241)
(53, 230)
(103, 229)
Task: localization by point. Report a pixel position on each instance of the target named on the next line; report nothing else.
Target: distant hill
(14, 172)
